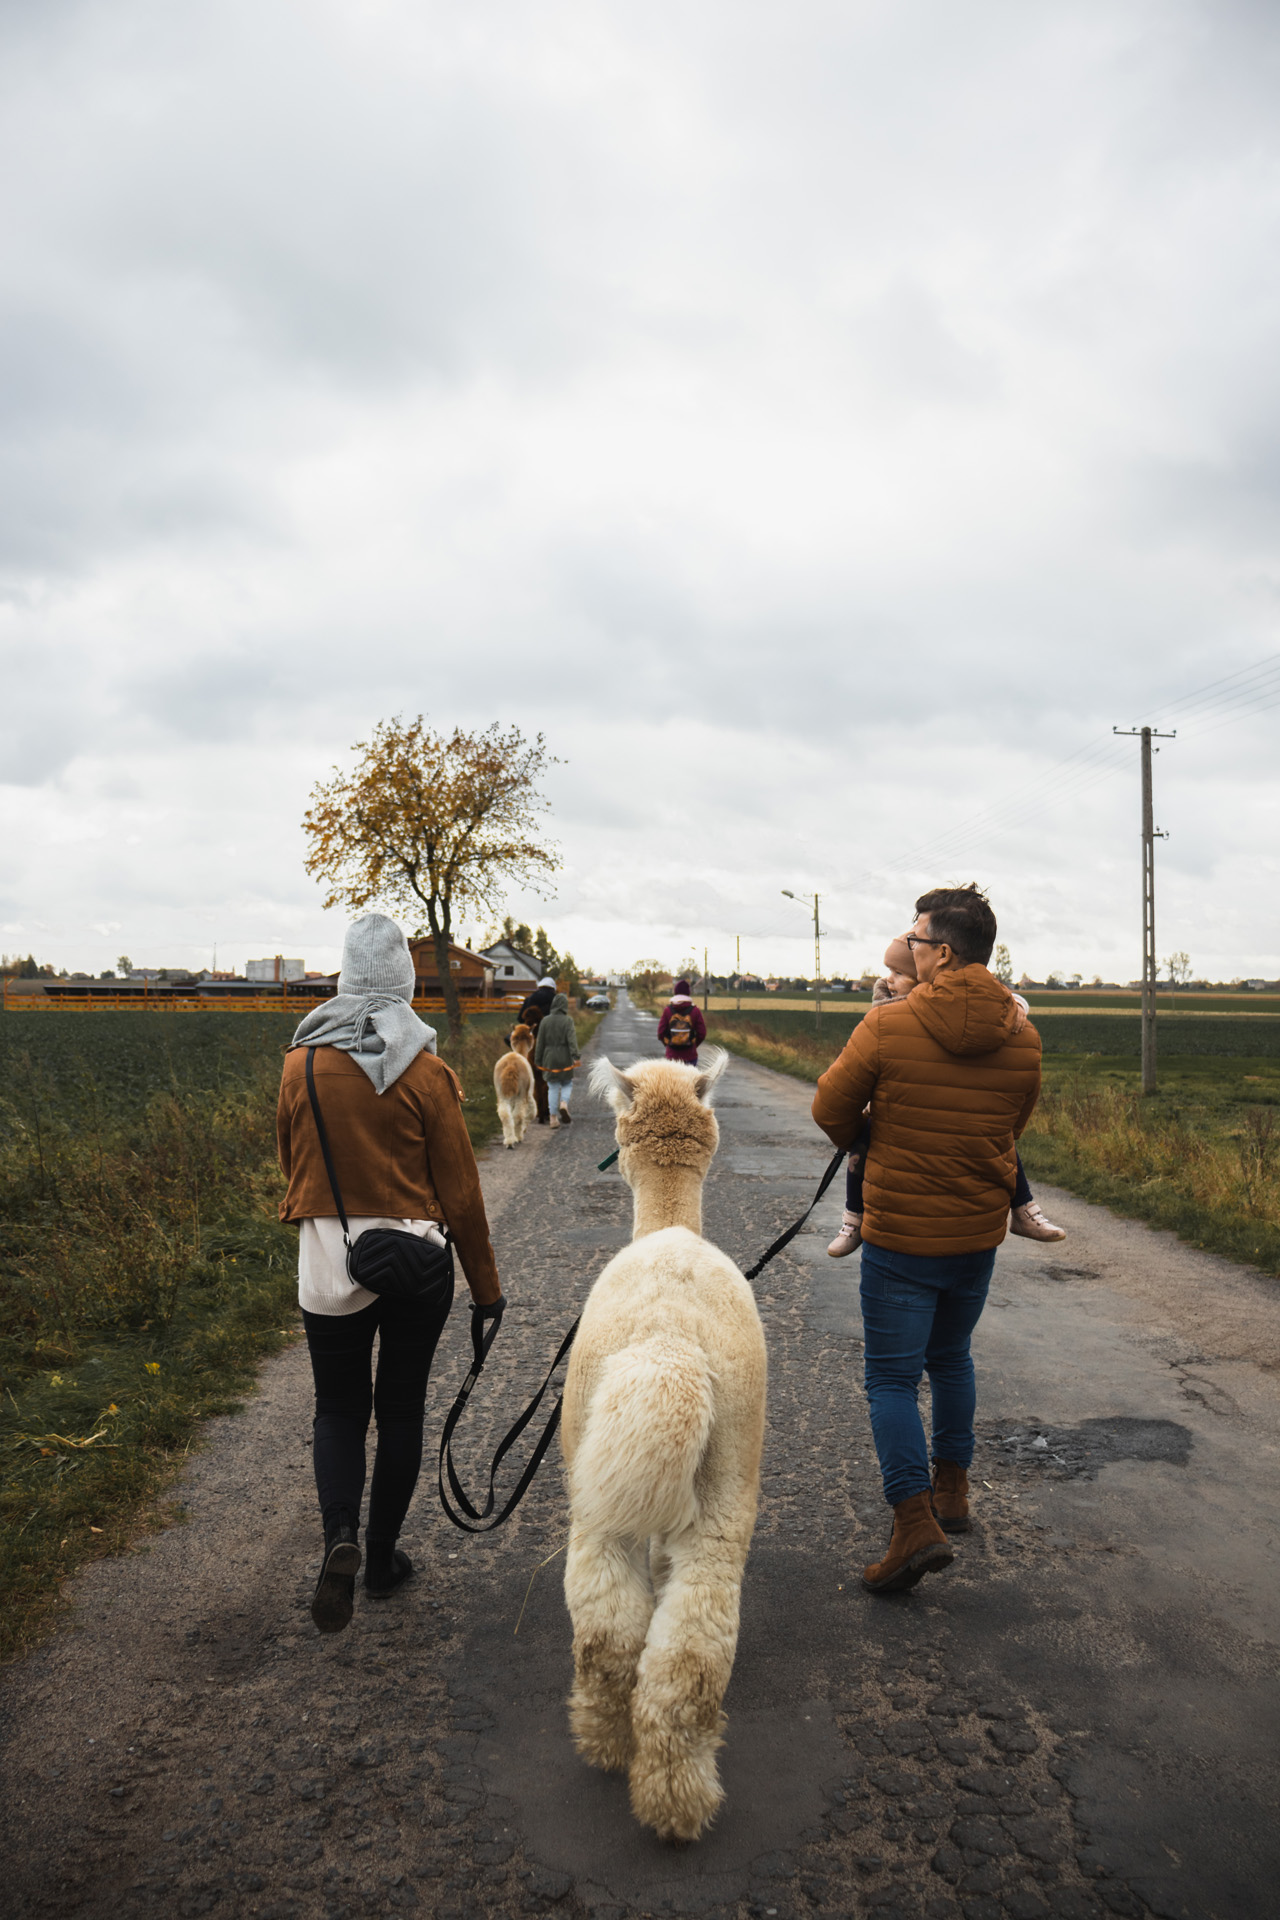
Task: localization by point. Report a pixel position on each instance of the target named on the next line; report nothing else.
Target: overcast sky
(822, 421)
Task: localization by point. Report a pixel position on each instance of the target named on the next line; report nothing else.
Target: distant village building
(513, 971)
(276, 969)
(473, 974)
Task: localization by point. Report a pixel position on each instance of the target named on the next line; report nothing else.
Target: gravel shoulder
(1077, 1719)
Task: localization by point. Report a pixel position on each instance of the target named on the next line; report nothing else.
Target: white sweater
(324, 1285)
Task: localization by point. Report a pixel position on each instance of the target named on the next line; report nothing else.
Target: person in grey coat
(557, 1054)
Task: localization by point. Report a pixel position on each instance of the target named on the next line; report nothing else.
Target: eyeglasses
(915, 940)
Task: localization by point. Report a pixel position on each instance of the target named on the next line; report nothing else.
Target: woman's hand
(483, 1334)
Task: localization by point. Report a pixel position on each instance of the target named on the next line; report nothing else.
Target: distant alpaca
(513, 1084)
(663, 1426)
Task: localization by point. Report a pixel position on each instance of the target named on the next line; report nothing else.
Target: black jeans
(341, 1347)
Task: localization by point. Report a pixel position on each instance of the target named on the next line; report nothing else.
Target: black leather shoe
(387, 1581)
(335, 1592)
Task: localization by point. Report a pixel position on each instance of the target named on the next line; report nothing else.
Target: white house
(513, 971)
(277, 968)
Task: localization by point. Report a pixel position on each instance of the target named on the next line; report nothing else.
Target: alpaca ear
(610, 1083)
(717, 1059)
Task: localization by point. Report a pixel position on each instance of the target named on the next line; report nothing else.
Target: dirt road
(1077, 1719)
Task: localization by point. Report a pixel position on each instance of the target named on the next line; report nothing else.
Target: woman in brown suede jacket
(392, 1113)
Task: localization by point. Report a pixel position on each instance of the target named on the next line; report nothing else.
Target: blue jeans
(918, 1312)
(559, 1092)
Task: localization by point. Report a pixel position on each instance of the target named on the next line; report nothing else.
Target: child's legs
(1022, 1191)
(855, 1169)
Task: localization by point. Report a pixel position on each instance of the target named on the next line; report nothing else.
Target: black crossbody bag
(386, 1260)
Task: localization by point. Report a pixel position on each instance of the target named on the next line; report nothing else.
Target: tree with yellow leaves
(428, 822)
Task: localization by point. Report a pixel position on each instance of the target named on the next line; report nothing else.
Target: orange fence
(168, 999)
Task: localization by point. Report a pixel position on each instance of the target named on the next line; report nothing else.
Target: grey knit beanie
(376, 958)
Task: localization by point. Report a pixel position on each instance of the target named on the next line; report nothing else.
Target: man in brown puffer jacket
(952, 1083)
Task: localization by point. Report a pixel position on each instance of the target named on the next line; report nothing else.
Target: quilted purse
(386, 1260)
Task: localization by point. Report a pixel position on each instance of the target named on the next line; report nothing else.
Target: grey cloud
(818, 434)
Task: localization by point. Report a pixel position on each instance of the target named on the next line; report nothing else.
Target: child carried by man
(1028, 1222)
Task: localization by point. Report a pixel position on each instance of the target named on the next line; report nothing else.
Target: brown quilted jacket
(399, 1155)
(951, 1087)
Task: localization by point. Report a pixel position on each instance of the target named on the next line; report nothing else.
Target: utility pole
(1150, 834)
(737, 978)
(817, 959)
(706, 988)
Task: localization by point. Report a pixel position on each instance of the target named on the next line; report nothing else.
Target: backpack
(680, 1030)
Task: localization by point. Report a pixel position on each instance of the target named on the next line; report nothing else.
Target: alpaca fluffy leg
(610, 1605)
(684, 1670)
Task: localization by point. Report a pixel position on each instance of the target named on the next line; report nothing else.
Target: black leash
(483, 1519)
(785, 1239)
(479, 1521)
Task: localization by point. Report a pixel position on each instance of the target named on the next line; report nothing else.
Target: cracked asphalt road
(1077, 1719)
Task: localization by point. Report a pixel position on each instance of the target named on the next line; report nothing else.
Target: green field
(1118, 1035)
(145, 1269)
(1244, 1003)
(1201, 1157)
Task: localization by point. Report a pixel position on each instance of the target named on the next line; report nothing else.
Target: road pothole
(1076, 1453)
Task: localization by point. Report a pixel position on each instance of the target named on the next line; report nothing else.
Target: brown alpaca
(513, 1084)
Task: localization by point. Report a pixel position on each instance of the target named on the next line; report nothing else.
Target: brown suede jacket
(399, 1155)
(952, 1082)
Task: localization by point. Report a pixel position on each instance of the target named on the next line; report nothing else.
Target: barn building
(472, 972)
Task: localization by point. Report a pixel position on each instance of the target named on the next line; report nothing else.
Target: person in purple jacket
(681, 1027)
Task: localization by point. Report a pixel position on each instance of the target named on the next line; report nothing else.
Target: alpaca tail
(646, 1432)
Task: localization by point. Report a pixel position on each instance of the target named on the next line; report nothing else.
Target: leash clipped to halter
(786, 1238)
(484, 1520)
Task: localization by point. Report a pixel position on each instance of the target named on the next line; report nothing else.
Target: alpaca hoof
(680, 1800)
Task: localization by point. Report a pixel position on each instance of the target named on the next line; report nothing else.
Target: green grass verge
(144, 1273)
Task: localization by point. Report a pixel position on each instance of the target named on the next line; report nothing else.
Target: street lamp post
(817, 957)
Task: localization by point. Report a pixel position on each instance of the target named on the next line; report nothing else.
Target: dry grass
(803, 1055)
(1210, 1170)
(146, 1275)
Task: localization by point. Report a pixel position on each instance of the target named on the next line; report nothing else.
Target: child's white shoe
(1030, 1224)
(849, 1237)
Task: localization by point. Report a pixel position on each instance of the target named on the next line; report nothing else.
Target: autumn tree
(544, 953)
(434, 825)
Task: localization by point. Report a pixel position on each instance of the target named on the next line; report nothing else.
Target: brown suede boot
(951, 1496)
(918, 1546)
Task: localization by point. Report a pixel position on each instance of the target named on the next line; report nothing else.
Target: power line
(1269, 665)
(1200, 732)
(1233, 697)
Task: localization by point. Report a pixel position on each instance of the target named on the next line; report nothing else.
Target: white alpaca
(663, 1425)
(513, 1084)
